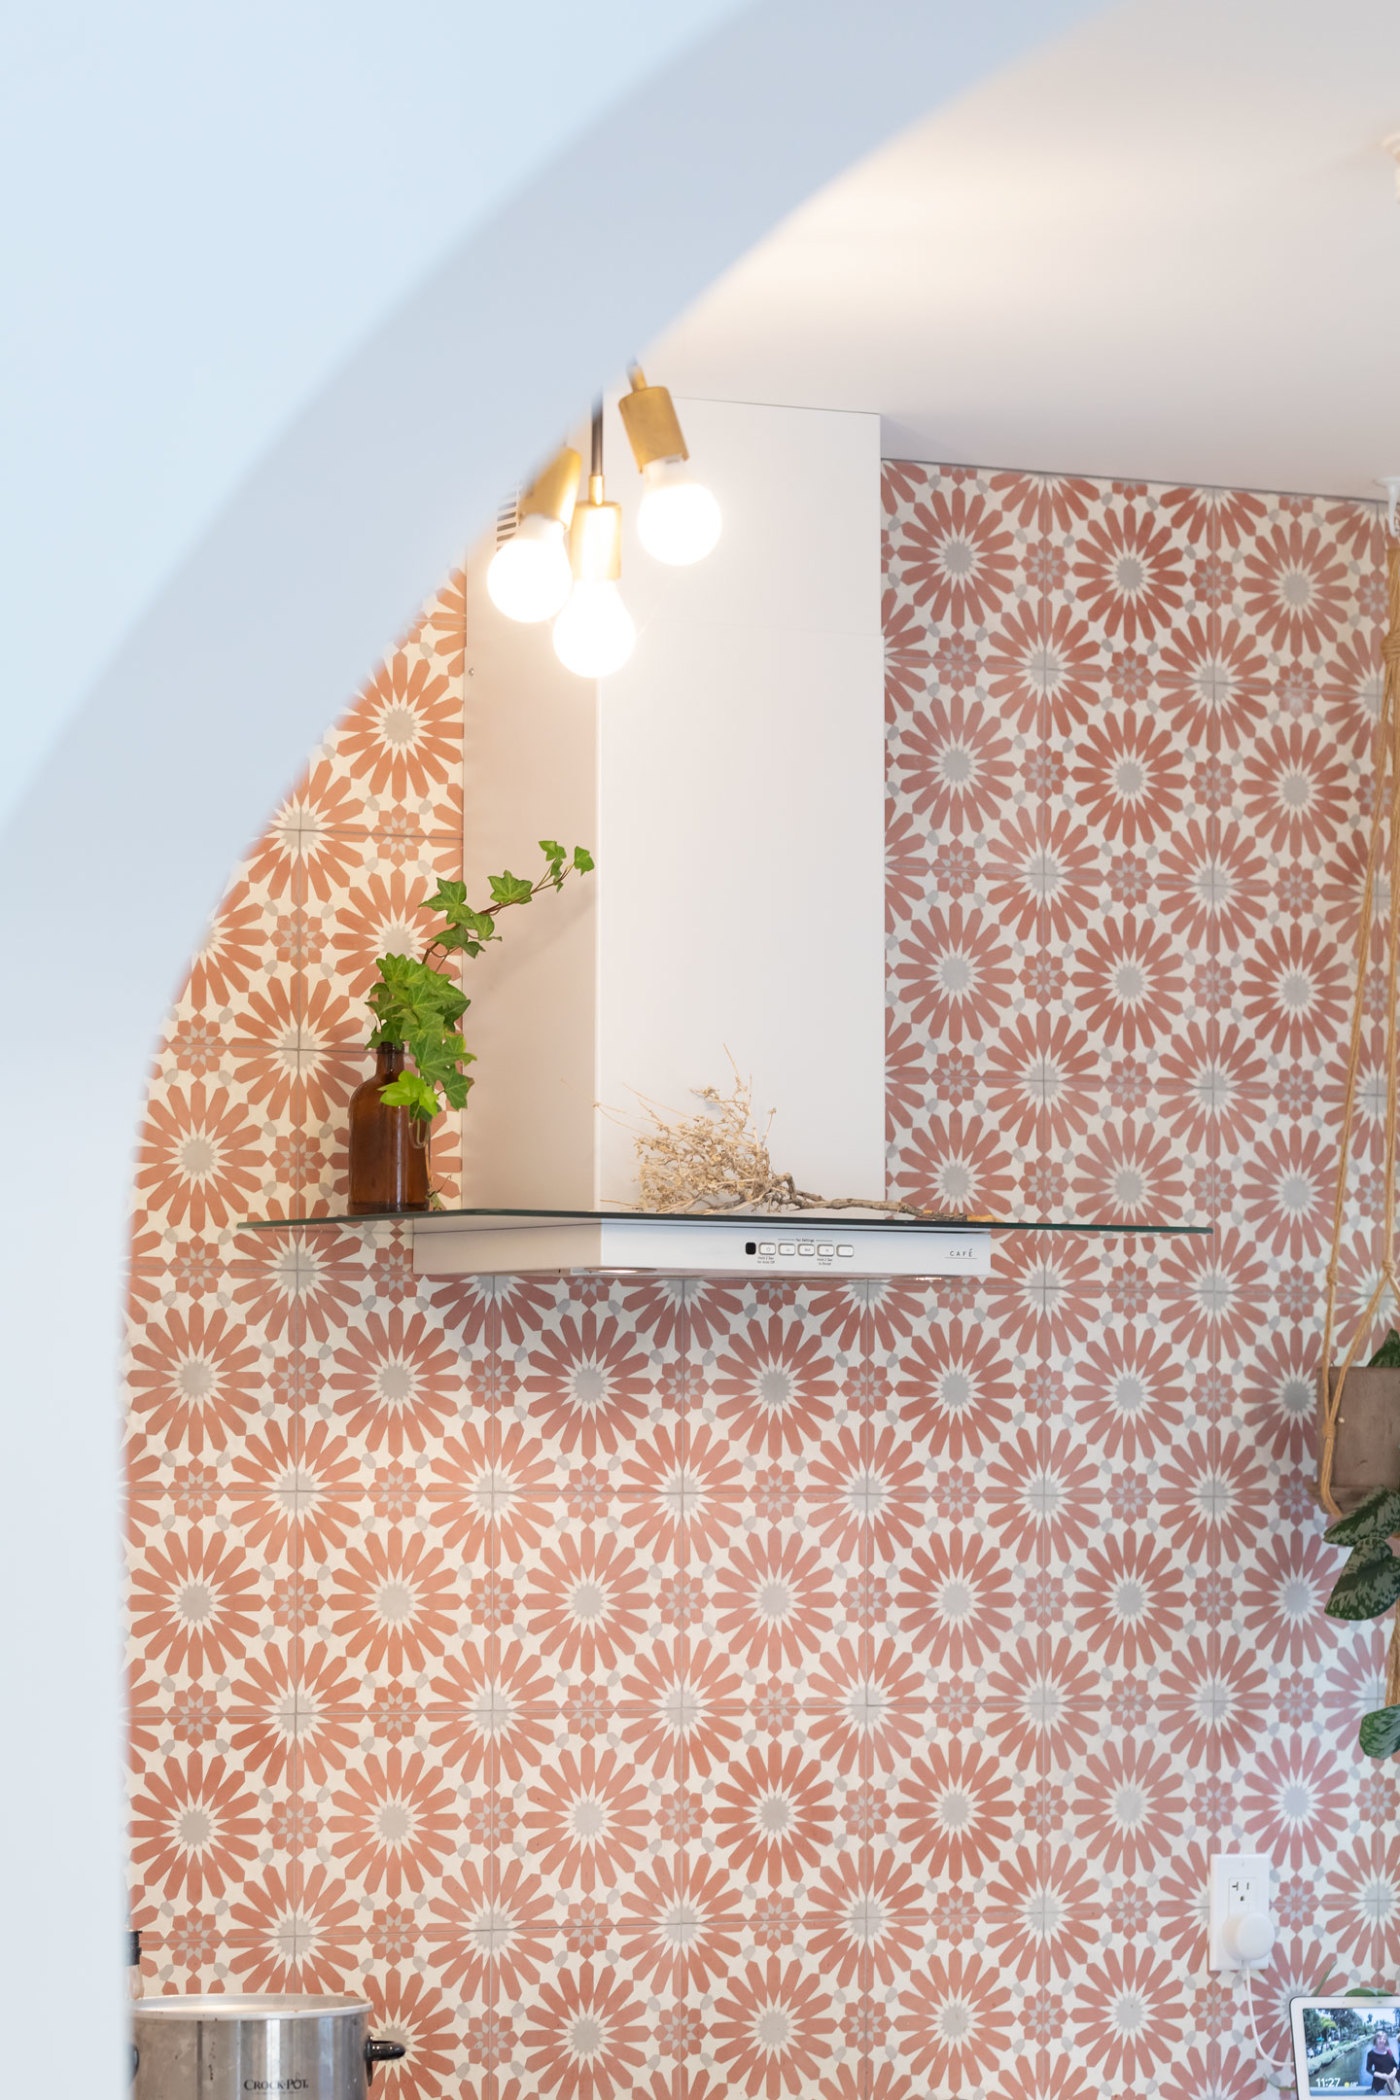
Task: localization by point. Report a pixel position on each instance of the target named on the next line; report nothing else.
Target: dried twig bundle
(718, 1160)
(715, 1159)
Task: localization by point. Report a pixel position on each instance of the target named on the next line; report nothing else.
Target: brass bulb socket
(650, 420)
(595, 539)
(553, 493)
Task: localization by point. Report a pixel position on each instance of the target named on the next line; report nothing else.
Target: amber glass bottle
(388, 1152)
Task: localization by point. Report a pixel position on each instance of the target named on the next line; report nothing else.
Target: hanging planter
(1364, 1434)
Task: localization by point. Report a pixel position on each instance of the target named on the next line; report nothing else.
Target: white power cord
(1279, 2075)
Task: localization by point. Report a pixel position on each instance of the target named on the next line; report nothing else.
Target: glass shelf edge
(788, 1222)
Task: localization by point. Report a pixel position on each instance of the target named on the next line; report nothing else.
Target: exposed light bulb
(594, 634)
(530, 577)
(679, 520)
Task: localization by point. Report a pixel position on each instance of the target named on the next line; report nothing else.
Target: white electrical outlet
(1241, 1910)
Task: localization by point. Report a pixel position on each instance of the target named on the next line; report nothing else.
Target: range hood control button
(845, 1252)
(786, 1247)
(767, 1247)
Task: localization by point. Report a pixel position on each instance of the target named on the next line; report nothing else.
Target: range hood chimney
(730, 780)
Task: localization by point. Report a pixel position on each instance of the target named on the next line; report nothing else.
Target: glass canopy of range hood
(716, 1243)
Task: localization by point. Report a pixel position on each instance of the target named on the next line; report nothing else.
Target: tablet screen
(1346, 2045)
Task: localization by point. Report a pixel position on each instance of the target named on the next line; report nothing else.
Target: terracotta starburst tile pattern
(685, 1689)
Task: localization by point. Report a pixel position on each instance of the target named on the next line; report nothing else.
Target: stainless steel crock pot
(254, 2048)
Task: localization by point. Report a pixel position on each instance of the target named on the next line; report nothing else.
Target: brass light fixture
(564, 557)
(679, 519)
(594, 632)
(530, 576)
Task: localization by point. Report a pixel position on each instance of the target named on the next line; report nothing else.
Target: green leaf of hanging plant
(583, 860)
(1379, 1734)
(1377, 1519)
(1387, 1357)
(1367, 1586)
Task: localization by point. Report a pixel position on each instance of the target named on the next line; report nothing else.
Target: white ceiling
(1166, 249)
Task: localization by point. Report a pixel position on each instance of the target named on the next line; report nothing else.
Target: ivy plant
(1369, 1584)
(414, 1003)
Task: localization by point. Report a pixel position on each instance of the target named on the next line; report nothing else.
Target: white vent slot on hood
(730, 780)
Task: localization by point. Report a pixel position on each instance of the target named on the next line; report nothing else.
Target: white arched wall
(177, 752)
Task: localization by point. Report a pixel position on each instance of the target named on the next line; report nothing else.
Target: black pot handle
(377, 2052)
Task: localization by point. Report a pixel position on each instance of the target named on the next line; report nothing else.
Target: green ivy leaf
(1367, 1586)
(419, 1006)
(1387, 1357)
(439, 995)
(1380, 1732)
(416, 1005)
(442, 1005)
(390, 1001)
(449, 897)
(1377, 1519)
(411, 1091)
(438, 1053)
(511, 889)
(461, 917)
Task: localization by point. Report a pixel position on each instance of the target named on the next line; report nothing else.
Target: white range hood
(460, 1243)
(730, 781)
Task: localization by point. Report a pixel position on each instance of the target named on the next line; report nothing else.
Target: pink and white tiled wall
(683, 1689)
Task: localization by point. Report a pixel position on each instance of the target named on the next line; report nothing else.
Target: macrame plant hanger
(1382, 859)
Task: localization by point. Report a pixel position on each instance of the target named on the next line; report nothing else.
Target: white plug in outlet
(1241, 1912)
